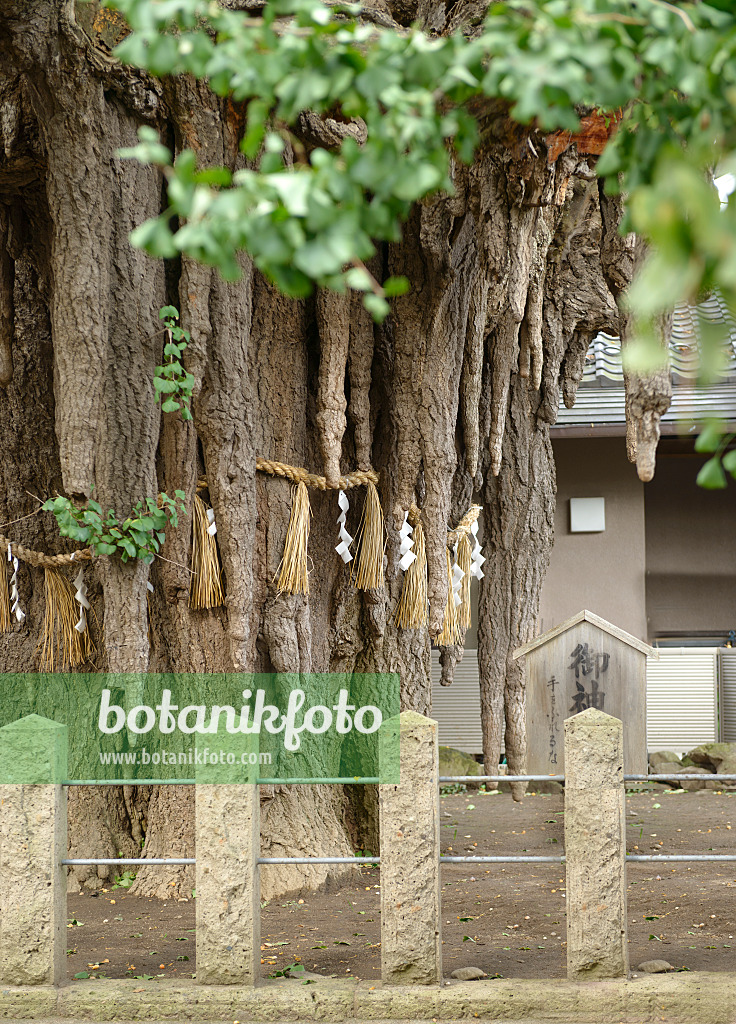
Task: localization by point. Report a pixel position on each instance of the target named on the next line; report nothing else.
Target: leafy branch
(139, 536)
(714, 439)
(670, 68)
(171, 379)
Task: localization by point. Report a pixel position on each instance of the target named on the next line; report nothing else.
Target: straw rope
(463, 527)
(294, 473)
(301, 476)
(38, 558)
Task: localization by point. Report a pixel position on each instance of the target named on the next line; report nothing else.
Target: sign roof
(595, 620)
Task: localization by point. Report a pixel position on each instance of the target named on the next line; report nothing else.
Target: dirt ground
(507, 920)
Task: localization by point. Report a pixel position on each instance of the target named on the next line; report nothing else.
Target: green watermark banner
(209, 728)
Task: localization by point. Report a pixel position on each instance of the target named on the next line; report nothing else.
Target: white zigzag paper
(81, 598)
(15, 607)
(476, 558)
(457, 579)
(343, 548)
(405, 548)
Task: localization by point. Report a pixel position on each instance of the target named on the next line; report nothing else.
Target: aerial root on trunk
(450, 656)
(333, 317)
(573, 366)
(470, 382)
(7, 276)
(647, 400)
(531, 356)
(505, 354)
(360, 361)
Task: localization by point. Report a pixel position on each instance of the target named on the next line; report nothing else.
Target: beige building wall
(690, 551)
(603, 572)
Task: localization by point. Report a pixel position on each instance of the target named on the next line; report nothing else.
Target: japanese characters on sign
(554, 722)
(591, 665)
(588, 666)
(583, 664)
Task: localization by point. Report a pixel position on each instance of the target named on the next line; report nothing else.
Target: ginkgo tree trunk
(449, 399)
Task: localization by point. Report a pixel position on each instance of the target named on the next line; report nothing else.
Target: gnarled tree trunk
(450, 400)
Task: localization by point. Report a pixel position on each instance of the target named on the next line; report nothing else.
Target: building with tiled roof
(599, 405)
(656, 559)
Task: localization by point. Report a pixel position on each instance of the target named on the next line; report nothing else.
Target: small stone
(655, 967)
(468, 974)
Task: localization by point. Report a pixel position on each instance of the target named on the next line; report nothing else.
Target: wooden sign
(583, 663)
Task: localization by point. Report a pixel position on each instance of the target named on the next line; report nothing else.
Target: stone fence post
(228, 845)
(33, 842)
(595, 847)
(411, 943)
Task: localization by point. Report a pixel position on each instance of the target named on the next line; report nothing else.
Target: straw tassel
(368, 573)
(205, 589)
(411, 612)
(149, 613)
(62, 645)
(5, 620)
(292, 573)
(450, 631)
(463, 560)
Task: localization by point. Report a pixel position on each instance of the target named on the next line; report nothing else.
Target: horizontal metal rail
(681, 856)
(502, 860)
(129, 782)
(143, 861)
(679, 775)
(502, 778)
(561, 778)
(347, 780)
(372, 780)
(319, 860)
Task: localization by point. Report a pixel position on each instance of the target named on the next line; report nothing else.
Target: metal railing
(634, 857)
(371, 780)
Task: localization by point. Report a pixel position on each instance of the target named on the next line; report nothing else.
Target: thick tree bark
(450, 400)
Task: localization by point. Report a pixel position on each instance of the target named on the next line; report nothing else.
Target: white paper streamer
(407, 555)
(81, 598)
(476, 557)
(457, 579)
(149, 585)
(15, 607)
(212, 528)
(343, 548)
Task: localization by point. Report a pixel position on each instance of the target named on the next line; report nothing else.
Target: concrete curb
(681, 998)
